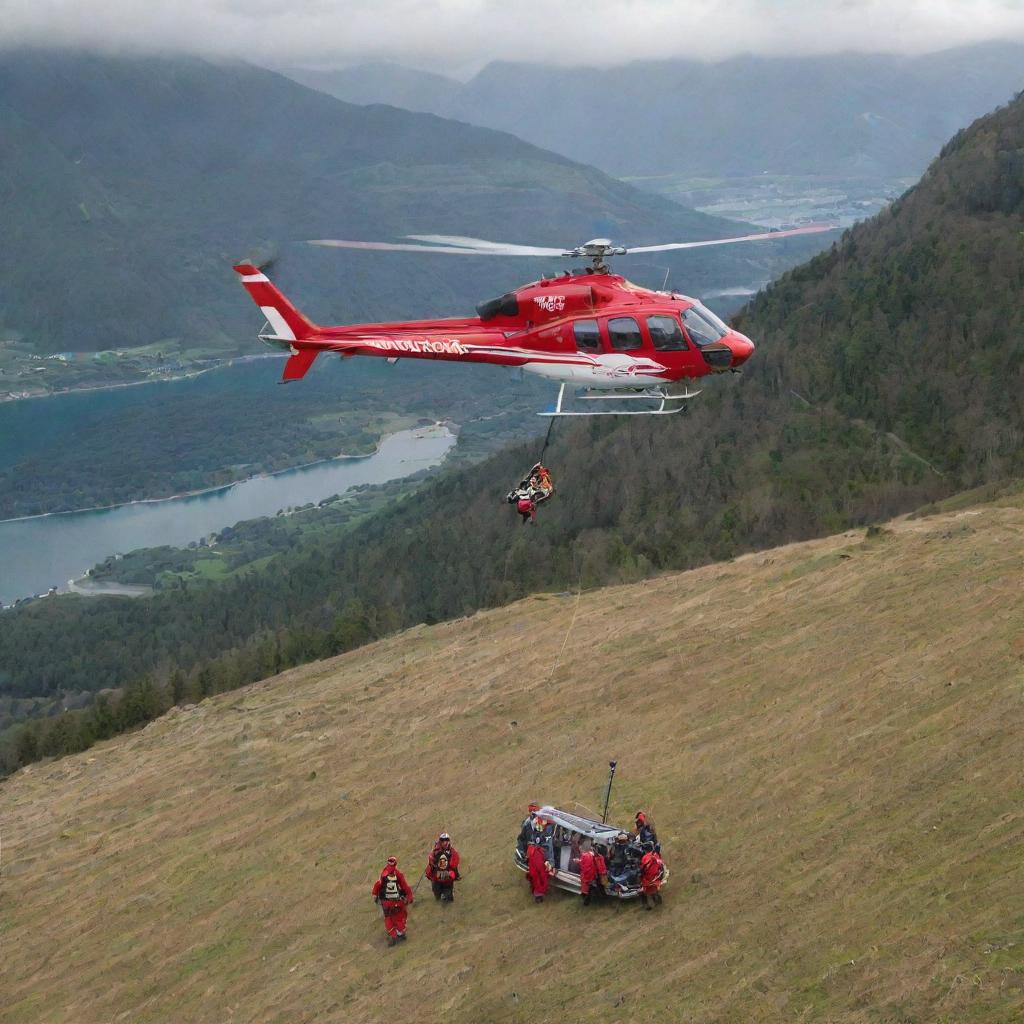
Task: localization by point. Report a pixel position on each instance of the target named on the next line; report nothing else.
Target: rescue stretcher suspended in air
(588, 329)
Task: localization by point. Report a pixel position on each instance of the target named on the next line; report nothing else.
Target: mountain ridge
(845, 114)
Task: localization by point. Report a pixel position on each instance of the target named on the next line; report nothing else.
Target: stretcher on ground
(570, 832)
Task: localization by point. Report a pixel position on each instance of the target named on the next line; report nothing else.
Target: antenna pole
(608, 791)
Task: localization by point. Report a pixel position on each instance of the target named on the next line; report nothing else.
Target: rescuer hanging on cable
(536, 488)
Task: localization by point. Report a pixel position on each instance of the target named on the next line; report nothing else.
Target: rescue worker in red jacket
(526, 507)
(542, 479)
(651, 877)
(645, 831)
(443, 868)
(593, 873)
(392, 892)
(538, 872)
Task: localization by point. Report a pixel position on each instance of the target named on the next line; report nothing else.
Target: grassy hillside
(868, 115)
(828, 735)
(134, 183)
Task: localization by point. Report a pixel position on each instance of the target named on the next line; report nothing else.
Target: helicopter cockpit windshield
(703, 326)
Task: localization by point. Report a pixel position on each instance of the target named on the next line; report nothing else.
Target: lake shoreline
(447, 424)
(46, 553)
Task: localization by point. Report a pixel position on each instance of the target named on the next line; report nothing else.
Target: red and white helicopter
(588, 328)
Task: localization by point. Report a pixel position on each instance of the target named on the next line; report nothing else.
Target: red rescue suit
(443, 869)
(449, 873)
(526, 508)
(651, 866)
(393, 893)
(592, 867)
(537, 873)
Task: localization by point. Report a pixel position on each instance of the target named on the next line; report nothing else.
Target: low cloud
(458, 36)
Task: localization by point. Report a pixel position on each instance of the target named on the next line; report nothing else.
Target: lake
(36, 554)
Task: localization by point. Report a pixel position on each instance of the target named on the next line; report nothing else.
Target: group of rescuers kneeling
(633, 860)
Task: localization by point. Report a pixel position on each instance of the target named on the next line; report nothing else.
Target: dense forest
(890, 373)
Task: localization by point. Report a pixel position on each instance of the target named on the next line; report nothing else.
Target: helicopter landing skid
(669, 404)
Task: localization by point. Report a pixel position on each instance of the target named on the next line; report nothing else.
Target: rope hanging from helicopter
(547, 439)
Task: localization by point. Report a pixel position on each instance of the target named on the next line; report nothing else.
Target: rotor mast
(596, 250)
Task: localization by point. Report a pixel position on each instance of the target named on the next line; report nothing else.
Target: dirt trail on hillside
(829, 736)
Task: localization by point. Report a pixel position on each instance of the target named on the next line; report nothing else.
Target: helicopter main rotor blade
(459, 246)
(808, 229)
(340, 243)
(482, 245)
(462, 245)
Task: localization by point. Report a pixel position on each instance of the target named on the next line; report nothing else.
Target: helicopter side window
(702, 332)
(666, 334)
(587, 334)
(624, 334)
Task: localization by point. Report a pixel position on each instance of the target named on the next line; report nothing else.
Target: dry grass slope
(828, 734)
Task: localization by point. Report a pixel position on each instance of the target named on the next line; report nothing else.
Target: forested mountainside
(848, 115)
(890, 372)
(139, 181)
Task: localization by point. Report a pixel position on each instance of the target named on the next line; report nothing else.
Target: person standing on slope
(645, 831)
(652, 869)
(526, 829)
(443, 868)
(593, 873)
(392, 892)
(538, 872)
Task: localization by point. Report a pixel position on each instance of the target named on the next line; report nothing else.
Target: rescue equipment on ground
(585, 854)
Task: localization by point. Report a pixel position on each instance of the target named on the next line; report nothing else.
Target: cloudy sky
(458, 36)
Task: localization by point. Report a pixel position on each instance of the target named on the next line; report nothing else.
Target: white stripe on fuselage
(603, 371)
